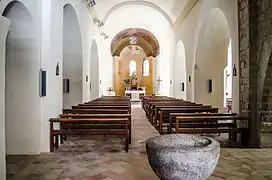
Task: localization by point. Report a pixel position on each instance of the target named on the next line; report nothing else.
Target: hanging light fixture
(97, 22)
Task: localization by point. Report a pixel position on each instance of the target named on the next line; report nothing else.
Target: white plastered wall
(94, 67)
(189, 31)
(5, 23)
(47, 16)
(179, 72)
(22, 101)
(53, 54)
(124, 18)
(72, 57)
(211, 59)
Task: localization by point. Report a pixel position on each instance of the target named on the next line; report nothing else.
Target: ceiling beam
(190, 4)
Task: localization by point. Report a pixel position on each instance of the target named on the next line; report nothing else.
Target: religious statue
(132, 81)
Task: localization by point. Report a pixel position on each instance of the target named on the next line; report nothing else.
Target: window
(132, 67)
(146, 68)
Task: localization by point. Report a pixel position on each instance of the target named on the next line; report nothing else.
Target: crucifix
(159, 80)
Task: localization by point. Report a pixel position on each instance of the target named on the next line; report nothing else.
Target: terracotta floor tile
(103, 158)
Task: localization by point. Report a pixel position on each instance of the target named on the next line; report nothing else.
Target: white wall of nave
(94, 68)
(72, 57)
(47, 17)
(5, 23)
(179, 72)
(189, 32)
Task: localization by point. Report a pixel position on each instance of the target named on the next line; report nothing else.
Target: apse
(72, 59)
(22, 102)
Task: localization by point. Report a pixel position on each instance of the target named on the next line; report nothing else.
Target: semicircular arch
(145, 39)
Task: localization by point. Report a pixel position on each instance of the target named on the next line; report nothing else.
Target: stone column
(255, 45)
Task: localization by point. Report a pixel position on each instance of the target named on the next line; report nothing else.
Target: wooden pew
(103, 106)
(156, 107)
(76, 110)
(164, 114)
(98, 116)
(205, 125)
(96, 127)
(150, 109)
(172, 117)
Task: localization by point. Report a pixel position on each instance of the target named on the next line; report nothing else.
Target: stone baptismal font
(182, 156)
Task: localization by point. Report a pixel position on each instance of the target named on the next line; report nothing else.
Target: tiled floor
(103, 158)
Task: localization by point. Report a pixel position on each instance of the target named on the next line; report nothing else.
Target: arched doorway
(94, 71)
(180, 80)
(22, 65)
(211, 59)
(72, 58)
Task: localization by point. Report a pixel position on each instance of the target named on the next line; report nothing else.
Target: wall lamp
(234, 71)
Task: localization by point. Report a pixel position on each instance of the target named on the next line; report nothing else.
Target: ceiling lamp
(90, 3)
(97, 22)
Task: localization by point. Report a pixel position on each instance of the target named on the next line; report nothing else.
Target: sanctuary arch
(134, 51)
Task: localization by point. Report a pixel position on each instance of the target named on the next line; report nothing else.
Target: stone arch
(22, 65)
(94, 70)
(145, 39)
(140, 3)
(72, 57)
(211, 51)
(180, 73)
(266, 98)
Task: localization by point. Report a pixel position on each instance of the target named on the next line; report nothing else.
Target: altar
(135, 95)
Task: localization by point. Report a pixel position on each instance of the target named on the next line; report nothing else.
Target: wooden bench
(205, 125)
(150, 110)
(76, 110)
(103, 106)
(96, 127)
(156, 108)
(98, 116)
(172, 117)
(164, 114)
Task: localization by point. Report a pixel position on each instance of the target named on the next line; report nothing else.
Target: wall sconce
(57, 70)
(42, 83)
(87, 78)
(234, 71)
(209, 85)
(171, 82)
(182, 86)
(66, 85)
(189, 78)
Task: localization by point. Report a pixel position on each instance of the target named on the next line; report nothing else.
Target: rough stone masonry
(255, 67)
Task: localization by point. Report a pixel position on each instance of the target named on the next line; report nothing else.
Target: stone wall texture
(255, 67)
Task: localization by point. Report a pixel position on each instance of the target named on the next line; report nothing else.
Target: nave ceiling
(171, 9)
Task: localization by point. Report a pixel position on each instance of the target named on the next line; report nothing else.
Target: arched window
(146, 68)
(132, 67)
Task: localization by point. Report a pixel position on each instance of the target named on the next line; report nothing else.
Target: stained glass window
(132, 40)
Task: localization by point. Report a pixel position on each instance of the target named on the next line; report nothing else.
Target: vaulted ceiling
(171, 9)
